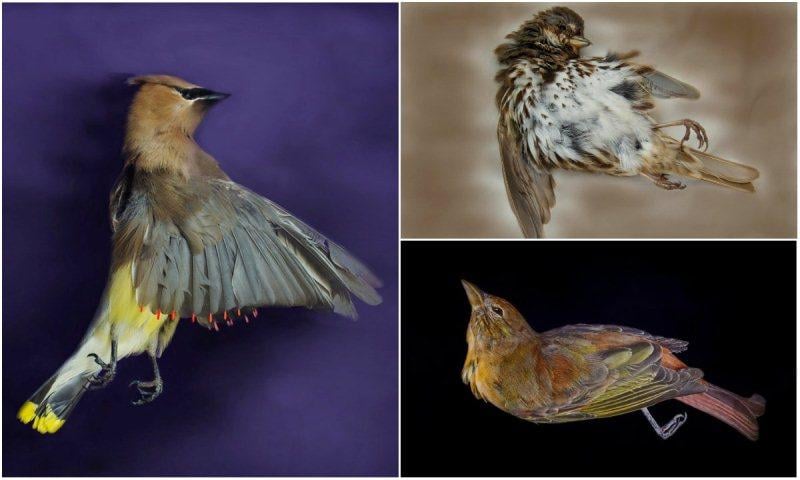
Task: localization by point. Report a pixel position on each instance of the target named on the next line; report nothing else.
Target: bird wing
(657, 83)
(120, 194)
(229, 249)
(661, 85)
(619, 372)
(529, 188)
(671, 344)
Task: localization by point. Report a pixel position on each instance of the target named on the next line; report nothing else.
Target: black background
(733, 301)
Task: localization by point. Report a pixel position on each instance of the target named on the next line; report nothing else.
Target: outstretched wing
(530, 190)
(221, 248)
(623, 372)
(657, 84)
(661, 85)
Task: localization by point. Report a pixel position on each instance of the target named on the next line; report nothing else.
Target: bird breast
(580, 119)
(511, 379)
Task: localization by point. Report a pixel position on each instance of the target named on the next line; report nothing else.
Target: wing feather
(530, 190)
(237, 249)
(661, 85)
(625, 375)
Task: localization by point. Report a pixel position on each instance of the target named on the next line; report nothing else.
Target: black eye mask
(194, 93)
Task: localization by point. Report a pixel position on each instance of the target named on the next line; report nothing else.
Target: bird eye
(497, 310)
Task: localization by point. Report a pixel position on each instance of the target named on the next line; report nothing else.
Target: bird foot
(148, 391)
(699, 132)
(670, 428)
(690, 126)
(662, 180)
(105, 375)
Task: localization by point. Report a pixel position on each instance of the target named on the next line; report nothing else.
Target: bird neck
(490, 334)
(151, 149)
(160, 135)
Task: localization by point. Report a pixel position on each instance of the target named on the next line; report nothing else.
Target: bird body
(577, 113)
(561, 111)
(190, 243)
(582, 372)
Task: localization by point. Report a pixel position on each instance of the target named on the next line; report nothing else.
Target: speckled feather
(561, 111)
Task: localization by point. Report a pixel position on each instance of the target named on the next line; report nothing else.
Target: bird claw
(670, 428)
(663, 181)
(148, 391)
(104, 376)
(699, 131)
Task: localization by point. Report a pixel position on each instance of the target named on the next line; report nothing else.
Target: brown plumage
(561, 111)
(190, 243)
(581, 372)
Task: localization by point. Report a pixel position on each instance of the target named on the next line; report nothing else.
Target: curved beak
(579, 42)
(474, 294)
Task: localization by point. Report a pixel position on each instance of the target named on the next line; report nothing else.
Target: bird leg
(670, 428)
(663, 181)
(691, 126)
(148, 391)
(107, 370)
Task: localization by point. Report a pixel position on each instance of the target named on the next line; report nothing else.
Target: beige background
(742, 57)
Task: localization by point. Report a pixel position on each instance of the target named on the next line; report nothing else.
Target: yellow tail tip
(26, 412)
(47, 423)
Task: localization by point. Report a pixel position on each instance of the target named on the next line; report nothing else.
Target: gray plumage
(236, 250)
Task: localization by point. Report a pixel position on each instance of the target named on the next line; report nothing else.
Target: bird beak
(214, 97)
(579, 42)
(474, 294)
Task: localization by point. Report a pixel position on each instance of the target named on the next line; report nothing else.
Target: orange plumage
(582, 372)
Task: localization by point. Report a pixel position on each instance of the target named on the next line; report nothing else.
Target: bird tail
(700, 165)
(51, 404)
(738, 412)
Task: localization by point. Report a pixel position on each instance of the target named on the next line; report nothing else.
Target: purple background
(312, 124)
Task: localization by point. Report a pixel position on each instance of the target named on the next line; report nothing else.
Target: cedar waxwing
(581, 372)
(190, 243)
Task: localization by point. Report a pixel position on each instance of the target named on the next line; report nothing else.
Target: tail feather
(700, 165)
(48, 408)
(738, 412)
(716, 179)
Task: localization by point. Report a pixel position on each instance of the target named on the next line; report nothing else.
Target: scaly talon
(699, 131)
(148, 391)
(106, 373)
(662, 180)
(670, 428)
(690, 126)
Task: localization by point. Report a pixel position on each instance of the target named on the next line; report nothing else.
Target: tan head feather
(162, 119)
(167, 80)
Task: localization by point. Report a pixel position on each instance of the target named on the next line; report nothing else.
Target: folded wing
(619, 377)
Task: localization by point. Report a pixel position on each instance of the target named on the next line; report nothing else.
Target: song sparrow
(558, 110)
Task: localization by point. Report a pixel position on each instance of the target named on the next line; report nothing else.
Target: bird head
(558, 28)
(165, 103)
(493, 315)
